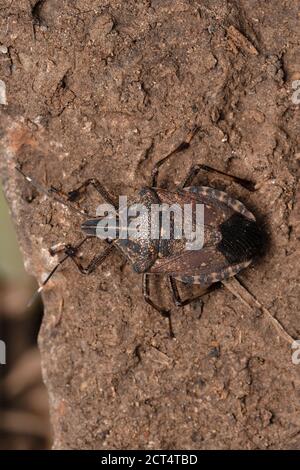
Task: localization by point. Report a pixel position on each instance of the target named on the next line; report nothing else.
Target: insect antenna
(39, 290)
(71, 251)
(53, 194)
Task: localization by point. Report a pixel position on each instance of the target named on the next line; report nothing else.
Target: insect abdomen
(242, 239)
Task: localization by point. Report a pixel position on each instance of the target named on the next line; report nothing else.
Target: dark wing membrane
(228, 225)
(191, 263)
(202, 267)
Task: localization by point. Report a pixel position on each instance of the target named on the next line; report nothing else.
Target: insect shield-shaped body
(231, 237)
(216, 245)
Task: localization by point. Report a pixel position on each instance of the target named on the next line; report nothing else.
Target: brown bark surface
(104, 88)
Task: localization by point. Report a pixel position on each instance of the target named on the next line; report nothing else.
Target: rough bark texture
(105, 88)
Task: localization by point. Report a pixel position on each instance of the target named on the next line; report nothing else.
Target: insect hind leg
(178, 301)
(195, 169)
(165, 313)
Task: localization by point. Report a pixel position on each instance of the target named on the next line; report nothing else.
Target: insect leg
(146, 293)
(176, 296)
(71, 196)
(70, 252)
(192, 173)
(52, 193)
(93, 264)
(62, 247)
(195, 169)
(75, 193)
(58, 248)
(183, 146)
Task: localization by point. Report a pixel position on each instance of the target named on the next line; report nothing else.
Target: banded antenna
(53, 194)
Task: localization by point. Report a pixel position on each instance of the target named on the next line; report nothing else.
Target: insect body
(232, 237)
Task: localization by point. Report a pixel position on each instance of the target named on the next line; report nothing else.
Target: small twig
(236, 288)
(241, 41)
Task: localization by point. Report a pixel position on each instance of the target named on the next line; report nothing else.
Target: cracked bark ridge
(105, 88)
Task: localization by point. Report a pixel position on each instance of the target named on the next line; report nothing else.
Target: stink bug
(232, 237)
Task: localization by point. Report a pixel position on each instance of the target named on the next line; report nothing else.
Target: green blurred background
(24, 418)
(11, 263)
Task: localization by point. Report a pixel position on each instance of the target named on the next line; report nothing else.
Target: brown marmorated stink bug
(232, 236)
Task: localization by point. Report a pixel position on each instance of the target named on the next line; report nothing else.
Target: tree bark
(104, 89)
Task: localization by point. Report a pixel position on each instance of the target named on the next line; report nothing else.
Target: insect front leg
(146, 293)
(195, 169)
(72, 252)
(93, 264)
(75, 193)
(183, 146)
(67, 199)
